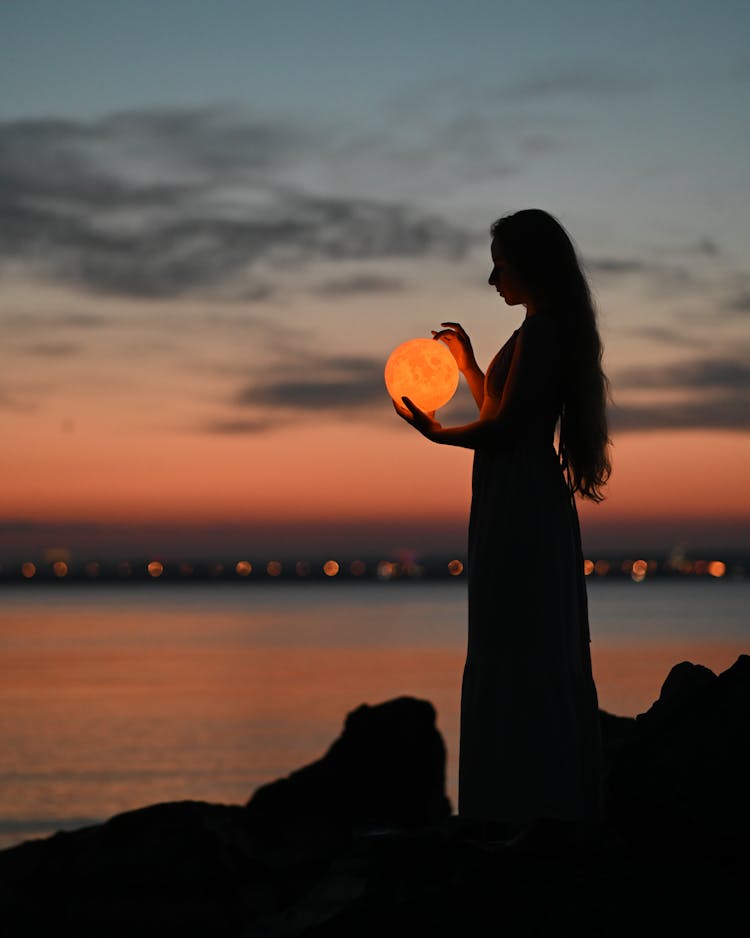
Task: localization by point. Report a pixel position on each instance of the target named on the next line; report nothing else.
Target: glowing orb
(422, 370)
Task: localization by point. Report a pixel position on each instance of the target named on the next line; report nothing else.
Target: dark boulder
(387, 769)
(183, 868)
(685, 773)
(194, 869)
(309, 856)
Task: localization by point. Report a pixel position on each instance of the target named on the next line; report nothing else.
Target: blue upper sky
(84, 58)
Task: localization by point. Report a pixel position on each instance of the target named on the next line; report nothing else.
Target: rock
(387, 769)
(684, 684)
(307, 857)
(186, 868)
(685, 773)
(196, 869)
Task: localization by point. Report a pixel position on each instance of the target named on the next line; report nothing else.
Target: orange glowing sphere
(422, 370)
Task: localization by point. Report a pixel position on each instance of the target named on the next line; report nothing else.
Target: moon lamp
(422, 370)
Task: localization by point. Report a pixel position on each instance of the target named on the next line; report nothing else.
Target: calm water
(113, 698)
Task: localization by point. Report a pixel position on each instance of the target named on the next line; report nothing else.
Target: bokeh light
(155, 568)
(717, 568)
(386, 570)
(60, 569)
(243, 568)
(28, 570)
(331, 568)
(273, 568)
(455, 567)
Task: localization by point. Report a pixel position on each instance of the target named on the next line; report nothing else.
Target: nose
(494, 276)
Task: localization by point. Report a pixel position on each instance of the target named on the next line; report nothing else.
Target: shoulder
(540, 339)
(540, 325)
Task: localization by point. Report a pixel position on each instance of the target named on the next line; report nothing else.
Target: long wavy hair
(541, 252)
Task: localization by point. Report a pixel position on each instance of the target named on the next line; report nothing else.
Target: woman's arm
(458, 343)
(470, 436)
(533, 368)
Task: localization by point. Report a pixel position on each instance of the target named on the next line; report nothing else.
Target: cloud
(617, 265)
(715, 395)
(579, 79)
(707, 246)
(670, 336)
(9, 400)
(52, 349)
(360, 283)
(336, 383)
(237, 427)
(723, 412)
(741, 302)
(718, 373)
(166, 203)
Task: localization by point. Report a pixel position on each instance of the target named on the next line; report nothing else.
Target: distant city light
(386, 569)
(402, 569)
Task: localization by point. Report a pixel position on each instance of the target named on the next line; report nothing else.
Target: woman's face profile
(505, 280)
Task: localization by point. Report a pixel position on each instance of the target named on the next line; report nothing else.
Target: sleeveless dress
(530, 738)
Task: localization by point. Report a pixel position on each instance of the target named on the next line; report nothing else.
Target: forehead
(496, 253)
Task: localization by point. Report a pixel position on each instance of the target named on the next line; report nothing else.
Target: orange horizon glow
(337, 473)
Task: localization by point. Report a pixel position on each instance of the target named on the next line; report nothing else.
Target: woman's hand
(419, 419)
(458, 343)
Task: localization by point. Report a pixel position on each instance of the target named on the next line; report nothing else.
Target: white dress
(530, 743)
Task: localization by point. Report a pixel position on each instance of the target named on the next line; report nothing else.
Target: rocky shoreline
(363, 842)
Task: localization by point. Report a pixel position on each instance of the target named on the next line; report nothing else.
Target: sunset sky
(218, 218)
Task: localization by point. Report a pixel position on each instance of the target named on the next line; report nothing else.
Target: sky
(220, 217)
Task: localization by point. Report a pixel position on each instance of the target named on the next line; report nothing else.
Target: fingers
(445, 334)
(456, 330)
(402, 411)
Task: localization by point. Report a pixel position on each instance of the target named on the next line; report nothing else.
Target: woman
(530, 746)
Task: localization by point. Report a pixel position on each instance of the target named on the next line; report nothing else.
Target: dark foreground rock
(683, 772)
(387, 769)
(360, 844)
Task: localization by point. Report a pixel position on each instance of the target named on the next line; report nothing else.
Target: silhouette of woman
(530, 745)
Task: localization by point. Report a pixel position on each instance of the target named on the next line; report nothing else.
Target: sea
(114, 697)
